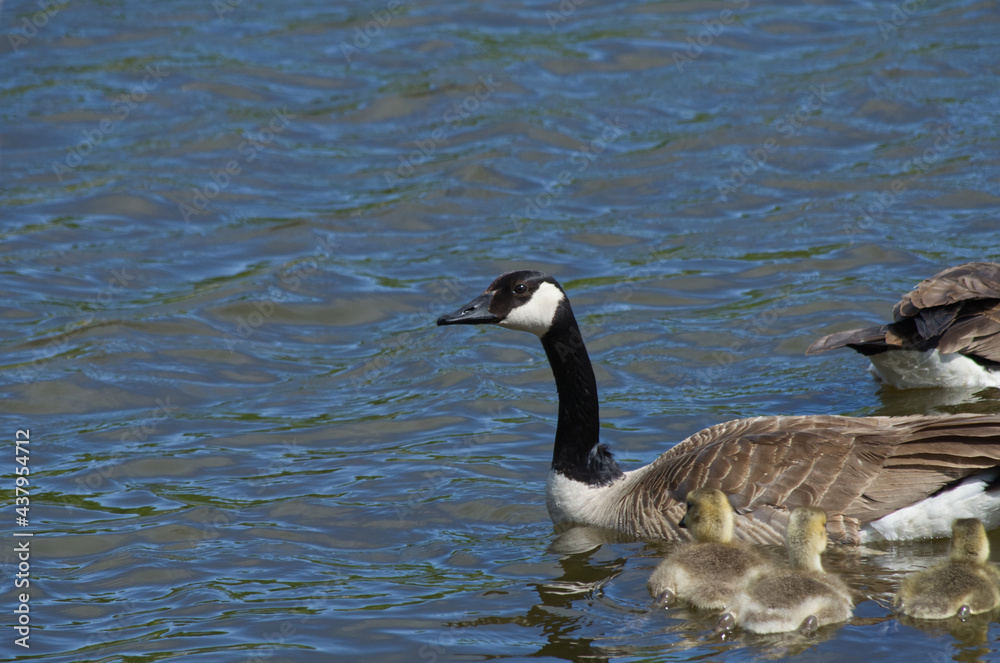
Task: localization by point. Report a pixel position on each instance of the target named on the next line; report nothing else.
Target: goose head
(535, 302)
(709, 516)
(524, 300)
(968, 541)
(805, 538)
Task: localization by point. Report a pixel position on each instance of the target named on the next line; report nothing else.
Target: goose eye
(520, 289)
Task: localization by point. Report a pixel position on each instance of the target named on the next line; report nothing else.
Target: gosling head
(805, 538)
(968, 541)
(525, 300)
(709, 516)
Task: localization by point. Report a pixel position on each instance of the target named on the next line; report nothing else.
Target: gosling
(966, 584)
(709, 571)
(803, 597)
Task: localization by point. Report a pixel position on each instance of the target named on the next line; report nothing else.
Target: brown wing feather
(973, 280)
(954, 311)
(975, 332)
(855, 469)
(869, 336)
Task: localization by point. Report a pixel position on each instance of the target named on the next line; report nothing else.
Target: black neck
(578, 453)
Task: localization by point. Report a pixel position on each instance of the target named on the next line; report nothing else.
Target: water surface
(228, 229)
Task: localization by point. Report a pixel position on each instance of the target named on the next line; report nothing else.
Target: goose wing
(961, 305)
(971, 281)
(866, 341)
(975, 332)
(855, 469)
(955, 311)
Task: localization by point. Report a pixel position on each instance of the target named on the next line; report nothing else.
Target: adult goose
(876, 477)
(945, 332)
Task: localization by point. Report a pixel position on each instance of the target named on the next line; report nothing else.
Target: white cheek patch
(536, 314)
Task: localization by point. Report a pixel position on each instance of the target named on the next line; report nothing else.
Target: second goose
(945, 332)
(876, 477)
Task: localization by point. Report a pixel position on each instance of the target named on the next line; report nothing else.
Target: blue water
(228, 228)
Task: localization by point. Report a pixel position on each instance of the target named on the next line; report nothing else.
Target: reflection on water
(938, 401)
(228, 229)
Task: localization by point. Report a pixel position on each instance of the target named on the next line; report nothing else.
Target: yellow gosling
(710, 570)
(966, 584)
(803, 597)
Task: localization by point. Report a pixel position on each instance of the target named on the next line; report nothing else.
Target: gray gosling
(803, 597)
(710, 570)
(966, 584)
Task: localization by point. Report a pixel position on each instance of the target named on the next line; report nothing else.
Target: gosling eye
(520, 289)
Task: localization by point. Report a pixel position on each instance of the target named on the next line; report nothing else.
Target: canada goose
(877, 477)
(966, 584)
(710, 571)
(803, 597)
(945, 332)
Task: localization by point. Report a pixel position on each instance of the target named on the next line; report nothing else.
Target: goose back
(858, 470)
